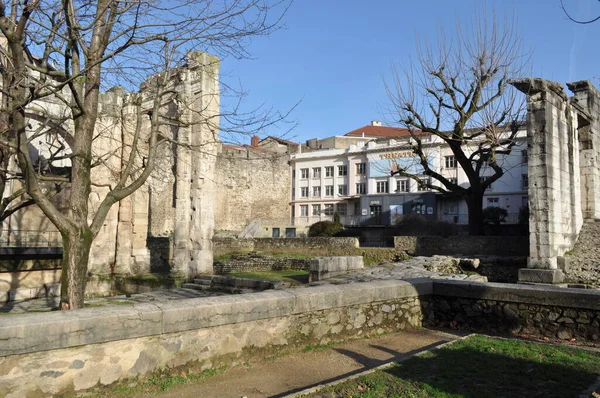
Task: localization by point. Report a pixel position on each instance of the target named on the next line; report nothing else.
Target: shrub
(494, 215)
(324, 228)
(336, 217)
(524, 215)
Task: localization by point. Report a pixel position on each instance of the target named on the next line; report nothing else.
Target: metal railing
(29, 238)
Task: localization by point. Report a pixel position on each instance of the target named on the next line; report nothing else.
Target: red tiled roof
(380, 131)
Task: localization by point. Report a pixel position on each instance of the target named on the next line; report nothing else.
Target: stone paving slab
(436, 267)
(156, 296)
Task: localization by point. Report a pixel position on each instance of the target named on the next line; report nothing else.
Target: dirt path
(292, 373)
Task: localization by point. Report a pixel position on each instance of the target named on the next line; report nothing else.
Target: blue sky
(334, 55)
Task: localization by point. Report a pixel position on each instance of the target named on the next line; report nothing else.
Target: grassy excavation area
(480, 366)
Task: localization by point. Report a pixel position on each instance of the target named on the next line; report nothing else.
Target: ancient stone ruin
(171, 218)
(564, 173)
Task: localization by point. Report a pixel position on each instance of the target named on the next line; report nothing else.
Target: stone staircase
(232, 285)
(582, 265)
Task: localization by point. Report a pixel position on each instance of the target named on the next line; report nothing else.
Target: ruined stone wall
(554, 179)
(564, 171)
(551, 312)
(461, 245)
(586, 100)
(253, 263)
(252, 185)
(176, 203)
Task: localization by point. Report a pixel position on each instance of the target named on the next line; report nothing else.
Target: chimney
(375, 123)
(254, 141)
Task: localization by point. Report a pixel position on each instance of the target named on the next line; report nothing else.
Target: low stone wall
(55, 352)
(253, 263)
(26, 285)
(542, 311)
(228, 245)
(59, 351)
(463, 245)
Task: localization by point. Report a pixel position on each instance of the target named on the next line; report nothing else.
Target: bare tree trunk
(475, 206)
(76, 253)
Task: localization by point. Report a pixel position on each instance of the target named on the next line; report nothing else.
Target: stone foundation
(57, 352)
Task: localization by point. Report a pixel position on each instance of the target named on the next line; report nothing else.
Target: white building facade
(355, 182)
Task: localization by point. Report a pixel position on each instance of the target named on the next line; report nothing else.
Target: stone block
(328, 267)
(532, 275)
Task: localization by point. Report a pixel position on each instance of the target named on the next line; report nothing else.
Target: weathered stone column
(554, 183)
(132, 255)
(196, 158)
(586, 100)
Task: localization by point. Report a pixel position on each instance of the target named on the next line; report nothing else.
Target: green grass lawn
(480, 367)
(294, 277)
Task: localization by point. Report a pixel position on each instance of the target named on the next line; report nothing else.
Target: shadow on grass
(366, 362)
(299, 278)
(506, 369)
(475, 367)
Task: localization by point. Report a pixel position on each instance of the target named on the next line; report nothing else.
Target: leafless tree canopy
(66, 52)
(457, 92)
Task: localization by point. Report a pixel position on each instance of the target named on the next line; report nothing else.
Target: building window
(451, 208)
(342, 209)
(361, 188)
(304, 192)
(328, 210)
(450, 162)
(361, 168)
(382, 187)
(303, 173)
(524, 181)
(422, 186)
(493, 202)
(342, 170)
(290, 232)
(342, 190)
(317, 192)
(276, 232)
(328, 190)
(357, 209)
(316, 172)
(316, 210)
(329, 171)
(304, 210)
(524, 156)
(401, 185)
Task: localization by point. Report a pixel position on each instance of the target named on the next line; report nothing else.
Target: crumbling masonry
(564, 173)
(170, 220)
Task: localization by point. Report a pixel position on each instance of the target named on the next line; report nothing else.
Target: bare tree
(70, 50)
(458, 94)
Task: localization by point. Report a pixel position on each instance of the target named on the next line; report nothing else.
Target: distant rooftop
(375, 129)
